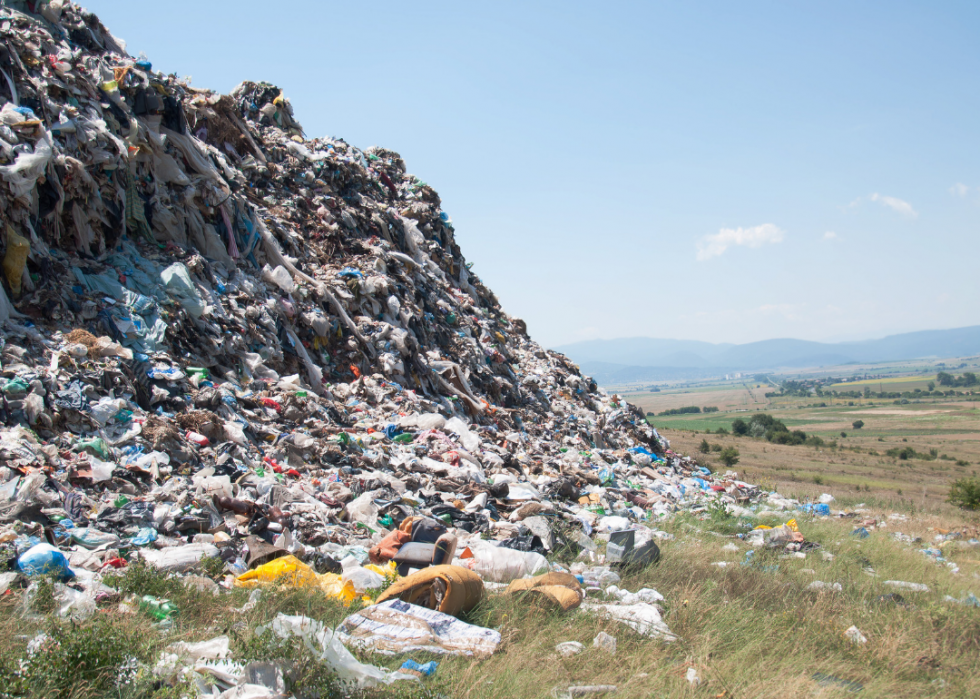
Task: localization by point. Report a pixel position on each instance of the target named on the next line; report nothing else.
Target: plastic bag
(44, 559)
(23, 173)
(287, 570)
(279, 276)
(363, 579)
(179, 284)
(501, 564)
(469, 440)
(643, 618)
(234, 432)
(101, 470)
(93, 538)
(18, 248)
(178, 559)
(326, 644)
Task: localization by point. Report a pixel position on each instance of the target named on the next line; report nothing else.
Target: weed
(212, 566)
(89, 658)
(140, 578)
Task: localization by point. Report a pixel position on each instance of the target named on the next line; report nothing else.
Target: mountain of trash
(223, 339)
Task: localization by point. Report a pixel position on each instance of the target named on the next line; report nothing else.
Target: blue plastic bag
(146, 535)
(45, 559)
(428, 668)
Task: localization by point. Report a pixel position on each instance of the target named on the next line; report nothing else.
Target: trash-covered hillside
(224, 340)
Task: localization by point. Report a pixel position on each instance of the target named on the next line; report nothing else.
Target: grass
(752, 630)
(748, 630)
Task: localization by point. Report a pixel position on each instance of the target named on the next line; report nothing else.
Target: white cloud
(788, 311)
(959, 189)
(757, 236)
(830, 235)
(902, 207)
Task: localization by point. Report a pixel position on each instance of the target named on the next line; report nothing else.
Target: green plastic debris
(404, 438)
(157, 608)
(15, 386)
(95, 445)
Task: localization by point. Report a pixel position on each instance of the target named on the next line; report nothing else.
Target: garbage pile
(225, 340)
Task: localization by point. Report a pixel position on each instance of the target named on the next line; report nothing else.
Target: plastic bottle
(159, 609)
(197, 438)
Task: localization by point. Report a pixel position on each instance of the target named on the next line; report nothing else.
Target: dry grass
(748, 630)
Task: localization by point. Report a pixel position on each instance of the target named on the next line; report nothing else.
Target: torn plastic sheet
(399, 627)
(326, 643)
(643, 618)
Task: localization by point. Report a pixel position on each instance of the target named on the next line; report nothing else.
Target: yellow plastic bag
(287, 570)
(18, 248)
(763, 526)
(389, 570)
(292, 572)
(334, 587)
(792, 525)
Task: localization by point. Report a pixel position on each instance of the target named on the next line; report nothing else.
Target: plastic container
(159, 609)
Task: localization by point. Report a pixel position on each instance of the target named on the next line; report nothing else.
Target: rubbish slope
(224, 341)
(205, 283)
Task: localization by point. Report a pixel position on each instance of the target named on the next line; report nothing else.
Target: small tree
(857, 424)
(740, 426)
(965, 493)
(932, 386)
(703, 447)
(843, 434)
(729, 456)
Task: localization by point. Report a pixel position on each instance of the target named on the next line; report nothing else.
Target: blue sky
(717, 171)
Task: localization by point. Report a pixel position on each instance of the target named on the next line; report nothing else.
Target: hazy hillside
(649, 359)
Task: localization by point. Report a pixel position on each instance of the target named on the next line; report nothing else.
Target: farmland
(944, 432)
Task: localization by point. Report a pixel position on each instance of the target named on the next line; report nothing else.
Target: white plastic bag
(363, 579)
(178, 559)
(101, 470)
(500, 564)
(279, 276)
(326, 644)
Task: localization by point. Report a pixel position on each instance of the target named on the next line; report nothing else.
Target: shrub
(716, 447)
(729, 456)
(965, 493)
(140, 578)
(857, 424)
(94, 658)
(703, 447)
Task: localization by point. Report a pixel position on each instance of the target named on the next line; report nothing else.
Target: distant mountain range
(634, 359)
